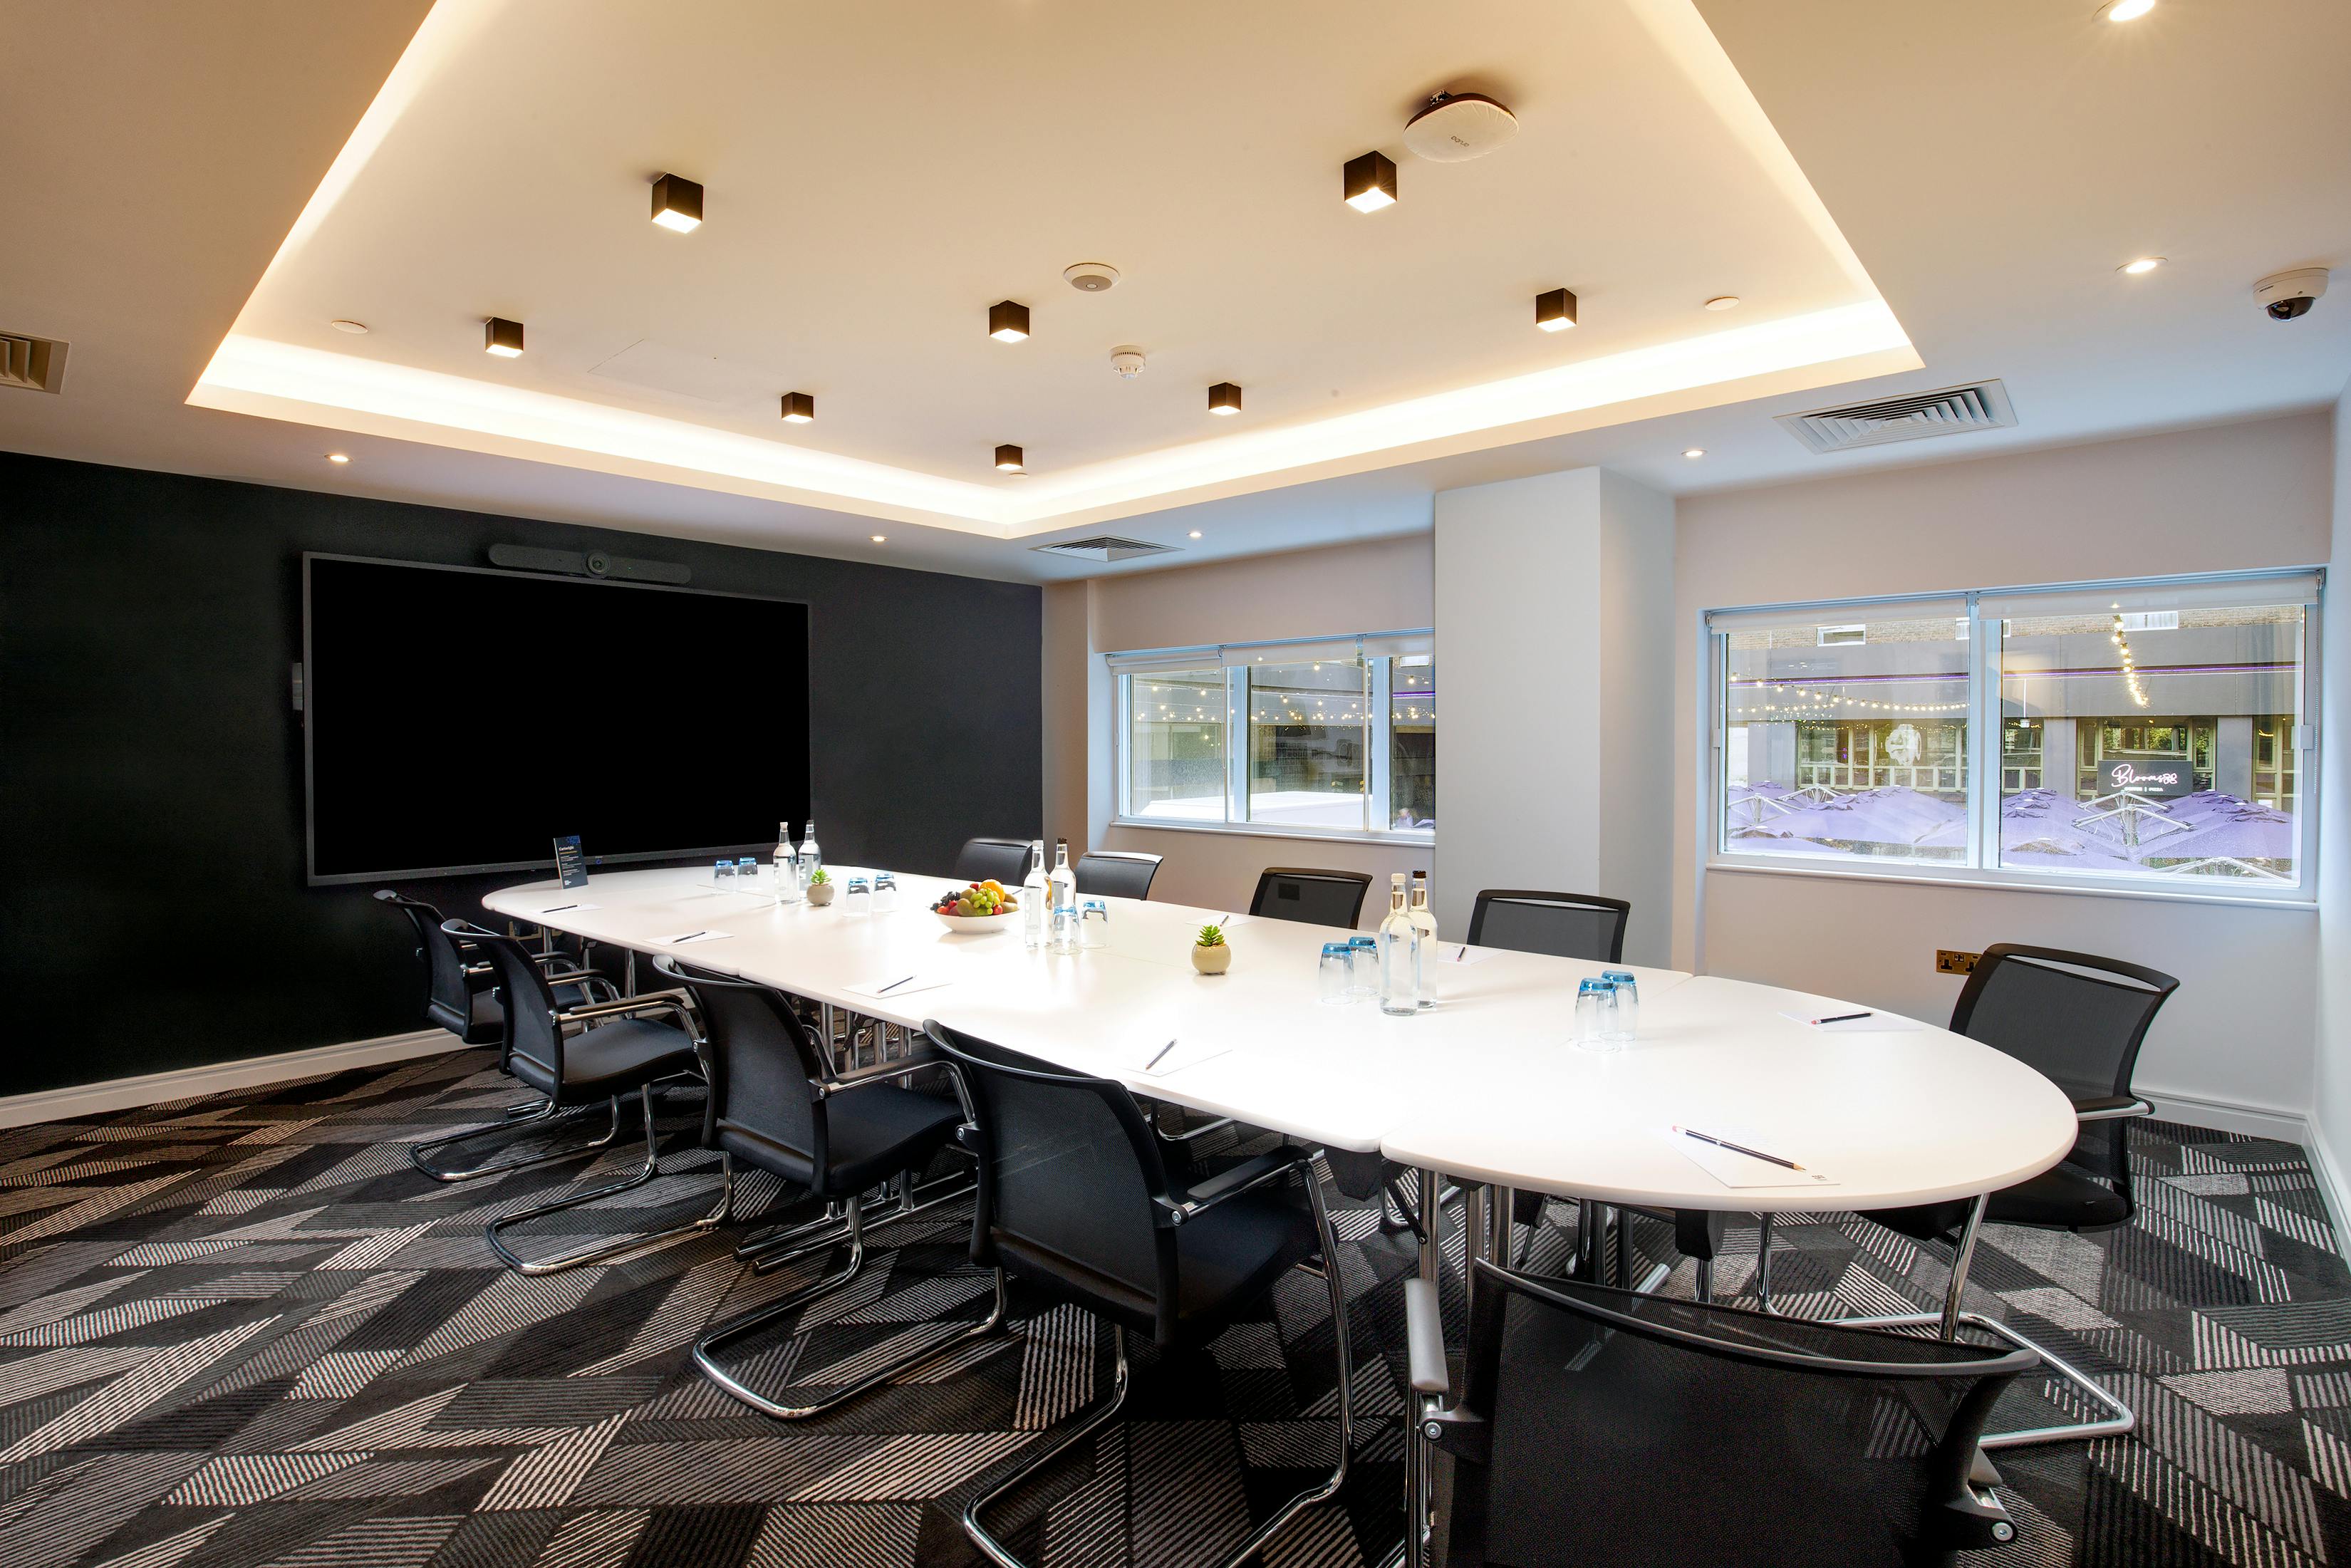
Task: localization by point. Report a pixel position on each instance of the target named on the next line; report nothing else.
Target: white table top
(1483, 1086)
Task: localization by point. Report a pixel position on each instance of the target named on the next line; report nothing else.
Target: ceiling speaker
(1457, 126)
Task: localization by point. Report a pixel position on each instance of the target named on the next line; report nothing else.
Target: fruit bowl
(982, 907)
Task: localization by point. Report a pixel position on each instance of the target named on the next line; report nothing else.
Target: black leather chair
(1116, 873)
(622, 1046)
(1316, 897)
(1006, 859)
(1600, 1426)
(776, 1104)
(1563, 924)
(2078, 1019)
(1075, 1199)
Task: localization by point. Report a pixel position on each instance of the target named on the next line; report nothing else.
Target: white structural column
(1554, 638)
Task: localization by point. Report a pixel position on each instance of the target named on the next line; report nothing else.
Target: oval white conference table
(1484, 1087)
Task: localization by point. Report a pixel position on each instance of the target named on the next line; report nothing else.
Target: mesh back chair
(1601, 1425)
(2079, 1020)
(1116, 873)
(1075, 1198)
(1006, 859)
(458, 981)
(776, 1104)
(621, 1046)
(1563, 924)
(1316, 897)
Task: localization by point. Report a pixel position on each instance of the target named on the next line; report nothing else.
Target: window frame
(1985, 749)
(1375, 649)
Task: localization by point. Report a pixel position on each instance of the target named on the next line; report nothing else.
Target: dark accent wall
(152, 908)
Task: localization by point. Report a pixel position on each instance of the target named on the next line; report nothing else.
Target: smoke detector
(1453, 127)
(1091, 276)
(1127, 361)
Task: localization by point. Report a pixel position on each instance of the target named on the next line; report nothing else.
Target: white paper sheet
(1187, 1053)
(1737, 1170)
(693, 938)
(1876, 1023)
(1462, 953)
(885, 990)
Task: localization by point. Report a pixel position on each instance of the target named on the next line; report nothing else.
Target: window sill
(1263, 830)
(2302, 899)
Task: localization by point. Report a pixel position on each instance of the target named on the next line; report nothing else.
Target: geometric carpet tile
(239, 1331)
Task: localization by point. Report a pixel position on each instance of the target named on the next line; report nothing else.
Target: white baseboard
(2329, 1172)
(2229, 1115)
(187, 1082)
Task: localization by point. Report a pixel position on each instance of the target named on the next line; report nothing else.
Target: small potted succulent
(1210, 956)
(819, 887)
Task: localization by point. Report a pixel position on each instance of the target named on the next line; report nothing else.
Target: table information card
(569, 864)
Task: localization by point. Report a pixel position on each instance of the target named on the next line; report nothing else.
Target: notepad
(567, 909)
(1876, 1023)
(1735, 1170)
(889, 990)
(694, 938)
(1462, 953)
(1187, 1053)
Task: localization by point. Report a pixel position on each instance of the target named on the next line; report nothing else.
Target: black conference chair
(1563, 924)
(1316, 897)
(459, 982)
(776, 1104)
(1075, 1199)
(1116, 873)
(623, 1047)
(1006, 859)
(2079, 1020)
(1600, 1426)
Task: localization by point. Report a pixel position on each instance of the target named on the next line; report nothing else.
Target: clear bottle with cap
(787, 879)
(1036, 898)
(1065, 899)
(1424, 920)
(810, 857)
(1400, 987)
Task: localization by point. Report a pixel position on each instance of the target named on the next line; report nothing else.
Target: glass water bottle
(1400, 985)
(1424, 920)
(1065, 900)
(809, 857)
(788, 880)
(1035, 897)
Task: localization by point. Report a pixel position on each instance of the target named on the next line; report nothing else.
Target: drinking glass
(1595, 1016)
(1093, 924)
(1628, 1003)
(857, 898)
(722, 876)
(1365, 981)
(885, 893)
(746, 874)
(1338, 972)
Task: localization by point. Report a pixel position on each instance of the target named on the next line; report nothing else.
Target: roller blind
(2250, 592)
(1852, 613)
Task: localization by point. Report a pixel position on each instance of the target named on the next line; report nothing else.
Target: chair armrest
(2109, 1107)
(1202, 1131)
(650, 1001)
(1232, 1183)
(1424, 1337)
(1974, 1519)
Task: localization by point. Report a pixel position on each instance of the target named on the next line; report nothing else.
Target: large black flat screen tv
(459, 720)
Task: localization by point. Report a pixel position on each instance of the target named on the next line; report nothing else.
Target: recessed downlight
(878, 539)
(1195, 533)
(1723, 302)
(2127, 10)
(1693, 451)
(1224, 398)
(1555, 310)
(677, 203)
(2142, 267)
(502, 338)
(1369, 182)
(798, 408)
(1008, 321)
(1008, 460)
(339, 458)
(344, 324)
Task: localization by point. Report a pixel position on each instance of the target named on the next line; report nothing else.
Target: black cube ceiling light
(1555, 310)
(799, 408)
(502, 338)
(1369, 182)
(1224, 398)
(677, 203)
(1008, 321)
(1008, 460)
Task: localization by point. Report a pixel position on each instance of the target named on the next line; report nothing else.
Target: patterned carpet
(241, 1332)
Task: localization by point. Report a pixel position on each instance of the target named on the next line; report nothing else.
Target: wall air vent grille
(1981, 405)
(32, 364)
(1106, 547)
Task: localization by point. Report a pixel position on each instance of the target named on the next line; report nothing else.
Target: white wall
(1381, 585)
(2240, 1031)
(2332, 1116)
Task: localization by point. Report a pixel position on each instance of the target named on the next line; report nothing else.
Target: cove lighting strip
(284, 381)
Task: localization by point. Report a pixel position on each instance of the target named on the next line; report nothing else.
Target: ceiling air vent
(1106, 547)
(1982, 406)
(32, 364)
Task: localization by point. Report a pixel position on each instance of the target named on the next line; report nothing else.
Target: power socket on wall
(1950, 963)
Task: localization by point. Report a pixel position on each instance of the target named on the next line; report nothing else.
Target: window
(1327, 738)
(2148, 734)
